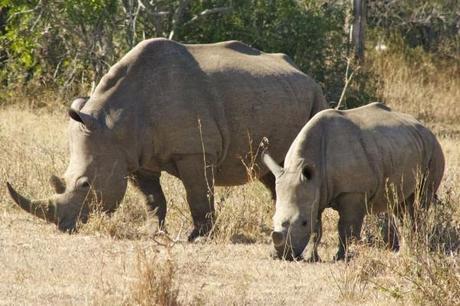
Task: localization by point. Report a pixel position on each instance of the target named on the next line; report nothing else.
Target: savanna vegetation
(51, 51)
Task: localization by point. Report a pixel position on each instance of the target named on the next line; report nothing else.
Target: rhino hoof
(343, 257)
(200, 232)
(312, 259)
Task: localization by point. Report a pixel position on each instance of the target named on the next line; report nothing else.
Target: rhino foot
(312, 258)
(200, 231)
(341, 256)
(311, 251)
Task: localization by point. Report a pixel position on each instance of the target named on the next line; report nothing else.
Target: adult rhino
(167, 106)
(355, 161)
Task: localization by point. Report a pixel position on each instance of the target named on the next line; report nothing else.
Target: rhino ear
(88, 121)
(78, 103)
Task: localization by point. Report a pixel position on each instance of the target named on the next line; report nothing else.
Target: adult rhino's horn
(44, 209)
(271, 164)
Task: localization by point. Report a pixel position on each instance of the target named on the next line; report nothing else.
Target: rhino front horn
(44, 209)
(278, 238)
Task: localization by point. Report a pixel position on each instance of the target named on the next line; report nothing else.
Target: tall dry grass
(426, 270)
(418, 84)
(155, 284)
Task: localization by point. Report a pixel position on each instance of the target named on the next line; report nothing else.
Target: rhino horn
(271, 164)
(278, 238)
(44, 209)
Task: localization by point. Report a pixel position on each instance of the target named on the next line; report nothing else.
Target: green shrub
(68, 45)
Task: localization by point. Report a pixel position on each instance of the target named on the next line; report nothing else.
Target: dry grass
(123, 260)
(418, 86)
(155, 284)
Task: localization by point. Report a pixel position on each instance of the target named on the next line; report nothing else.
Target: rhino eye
(304, 223)
(285, 224)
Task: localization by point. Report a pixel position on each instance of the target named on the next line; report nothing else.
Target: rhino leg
(311, 251)
(268, 180)
(389, 231)
(408, 209)
(199, 185)
(148, 184)
(351, 209)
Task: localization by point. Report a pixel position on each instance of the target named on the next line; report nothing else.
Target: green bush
(69, 44)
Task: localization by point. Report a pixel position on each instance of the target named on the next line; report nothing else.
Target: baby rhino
(356, 161)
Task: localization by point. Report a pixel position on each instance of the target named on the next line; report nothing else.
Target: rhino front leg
(311, 251)
(198, 182)
(351, 209)
(148, 183)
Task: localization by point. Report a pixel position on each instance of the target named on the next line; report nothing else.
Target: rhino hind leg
(198, 182)
(149, 186)
(389, 231)
(351, 207)
(268, 180)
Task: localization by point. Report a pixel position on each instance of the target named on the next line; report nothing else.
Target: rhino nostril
(278, 238)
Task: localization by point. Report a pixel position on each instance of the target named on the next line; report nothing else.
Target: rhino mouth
(286, 253)
(67, 225)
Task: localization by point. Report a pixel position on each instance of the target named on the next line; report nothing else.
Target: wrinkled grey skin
(166, 106)
(347, 160)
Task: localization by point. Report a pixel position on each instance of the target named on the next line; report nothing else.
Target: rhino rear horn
(44, 209)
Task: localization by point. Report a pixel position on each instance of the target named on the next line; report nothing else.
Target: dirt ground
(106, 262)
(42, 266)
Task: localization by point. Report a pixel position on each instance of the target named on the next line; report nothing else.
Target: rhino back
(263, 95)
(369, 150)
(215, 96)
(389, 150)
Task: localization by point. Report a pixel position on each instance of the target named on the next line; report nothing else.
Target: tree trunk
(358, 28)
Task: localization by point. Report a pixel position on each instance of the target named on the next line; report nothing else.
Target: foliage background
(65, 46)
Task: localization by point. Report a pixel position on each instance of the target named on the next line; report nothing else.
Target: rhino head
(96, 173)
(297, 204)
